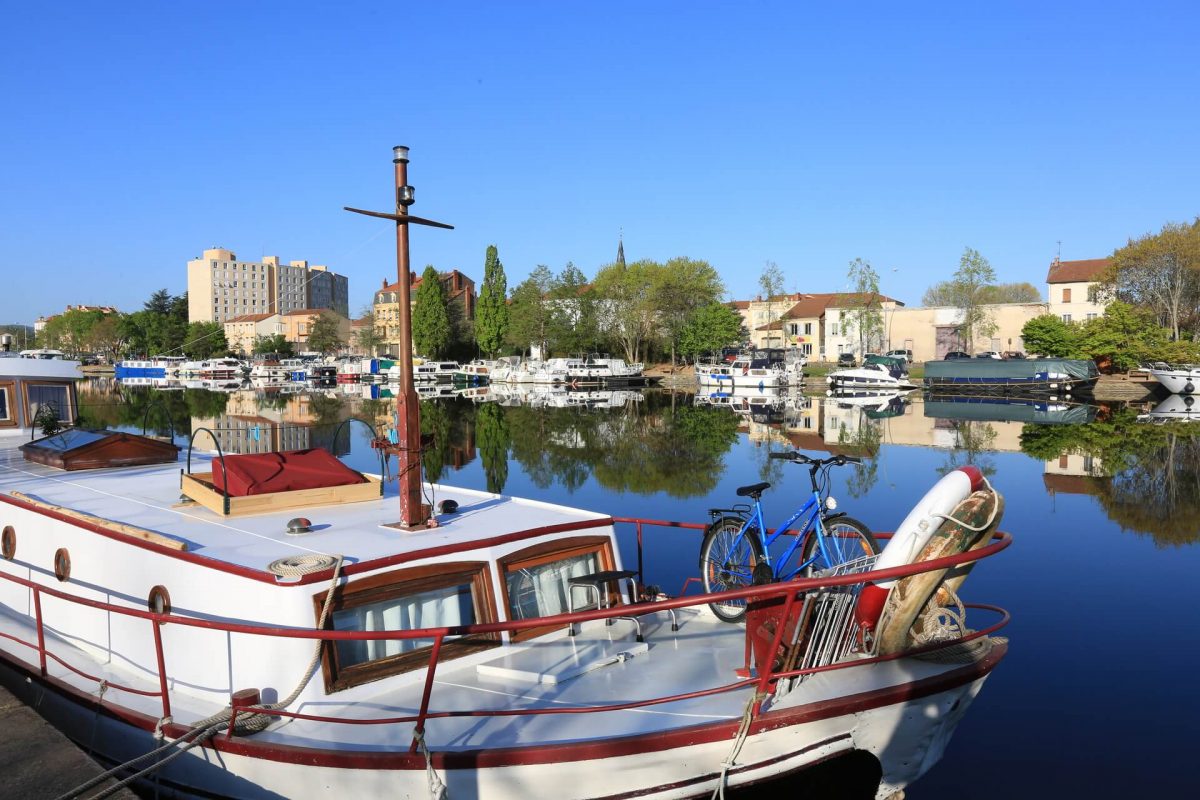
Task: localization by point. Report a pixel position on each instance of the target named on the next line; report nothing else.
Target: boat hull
(1178, 381)
(906, 727)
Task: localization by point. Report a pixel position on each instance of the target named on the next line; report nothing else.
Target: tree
(204, 340)
(709, 329)
(627, 313)
(324, 336)
(967, 291)
(1048, 335)
(108, 337)
(944, 294)
(369, 338)
(159, 303)
(530, 317)
(1124, 335)
(491, 312)
(681, 286)
(572, 320)
(865, 314)
(275, 343)
(431, 327)
(771, 284)
(1161, 271)
(1012, 293)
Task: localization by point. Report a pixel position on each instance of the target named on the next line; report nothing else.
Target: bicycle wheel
(846, 539)
(727, 561)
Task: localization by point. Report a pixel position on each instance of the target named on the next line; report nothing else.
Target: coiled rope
(206, 728)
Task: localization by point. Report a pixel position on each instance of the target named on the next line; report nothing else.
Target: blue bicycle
(735, 552)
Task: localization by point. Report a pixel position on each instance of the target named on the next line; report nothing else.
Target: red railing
(791, 591)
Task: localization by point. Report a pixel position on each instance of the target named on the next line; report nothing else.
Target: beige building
(459, 289)
(242, 332)
(1071, 289)
(220, 287)
(932, 332)
(820, 325)
(298, 324)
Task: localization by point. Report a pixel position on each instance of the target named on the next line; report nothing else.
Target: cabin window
(436, 596)
(7, 417)
(55, 396)
(536, 579)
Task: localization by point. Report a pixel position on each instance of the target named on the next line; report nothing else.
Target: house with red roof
(1072, 288)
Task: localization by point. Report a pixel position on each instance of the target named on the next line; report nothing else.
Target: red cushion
(264, 473)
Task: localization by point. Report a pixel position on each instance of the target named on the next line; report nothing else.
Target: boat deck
(148, 497)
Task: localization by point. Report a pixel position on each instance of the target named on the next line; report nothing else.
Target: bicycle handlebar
(799, 458)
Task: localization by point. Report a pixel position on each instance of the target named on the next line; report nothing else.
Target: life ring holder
(220, 458)
(374, 436)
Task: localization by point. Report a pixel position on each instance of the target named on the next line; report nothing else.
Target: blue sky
(137, 134)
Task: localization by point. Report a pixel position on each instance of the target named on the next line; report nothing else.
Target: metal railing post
(768, 669)
(41, 631)
(162, 668)
(419, 730)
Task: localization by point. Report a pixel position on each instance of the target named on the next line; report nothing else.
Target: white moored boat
(475, 372)
(1176, 378)
(743, 373)
(222, 369)
(876, 372)
(210, 609)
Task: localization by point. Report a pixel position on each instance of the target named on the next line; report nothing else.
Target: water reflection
(1146, 477)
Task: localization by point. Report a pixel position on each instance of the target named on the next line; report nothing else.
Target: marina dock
(37, 760)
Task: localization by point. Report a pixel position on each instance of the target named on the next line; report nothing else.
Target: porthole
(159, 601)
(8, 543)
(62, 564)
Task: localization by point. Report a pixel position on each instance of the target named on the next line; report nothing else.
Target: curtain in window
(437, 608)
(54, 396)
(543, 590)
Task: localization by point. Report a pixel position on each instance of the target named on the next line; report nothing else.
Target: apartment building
(297, 325)
(220, 287)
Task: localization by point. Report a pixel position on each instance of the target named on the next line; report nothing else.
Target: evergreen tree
(431, 330)
(491, 312)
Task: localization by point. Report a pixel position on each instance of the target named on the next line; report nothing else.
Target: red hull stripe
(544, 754)
(313, 577)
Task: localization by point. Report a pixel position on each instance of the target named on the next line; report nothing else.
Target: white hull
(866, 378)
(908, 738)
(1184, 380)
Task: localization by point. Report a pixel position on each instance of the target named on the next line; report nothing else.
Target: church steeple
(621, 249)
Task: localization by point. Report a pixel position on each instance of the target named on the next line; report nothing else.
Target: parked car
(989, 354)
(1013, 354)
(847, 360)
(905, 354)
(953, 354)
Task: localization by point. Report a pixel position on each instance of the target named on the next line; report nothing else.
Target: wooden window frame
(543, 553)
(1066, 294)
(10, 389)
(402, 583)
(72, 401)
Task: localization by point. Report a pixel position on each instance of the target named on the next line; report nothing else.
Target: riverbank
(39, 761)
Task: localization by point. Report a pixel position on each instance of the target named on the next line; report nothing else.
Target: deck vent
(299, 525)
(447, 507)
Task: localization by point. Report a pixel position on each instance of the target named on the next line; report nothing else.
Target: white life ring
(913, 534)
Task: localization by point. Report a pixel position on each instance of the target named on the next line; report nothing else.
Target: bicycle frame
(812, 507)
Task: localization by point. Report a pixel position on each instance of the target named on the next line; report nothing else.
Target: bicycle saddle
(753, 490)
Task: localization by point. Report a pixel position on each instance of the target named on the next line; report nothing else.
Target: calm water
(1103, 580)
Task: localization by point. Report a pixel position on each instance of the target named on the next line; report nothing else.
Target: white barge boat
(449, 652)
